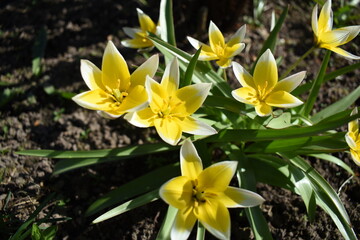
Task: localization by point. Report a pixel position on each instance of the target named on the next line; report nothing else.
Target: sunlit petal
(245, 95)
(340, 36)
(91, 75)
(265, 73)
(224, 62)
(244, 78)
(314, 20)
(137, 43)
(215, 217)
(344, 53)
(282, 99)
(290, 83)
(184, 223)
(149, 67)
(234, 50)
(355, 156)
(107, 115)
(168, 129)
(190, 162)
(193, 126)
(206, 53)
(234, 197)
(238, 36)
(354, 125)
(177, 192)
(143, 118)
(325, 18)
(216, 38)
(263, 110)
(95, 100)
(193, 96)
(115, 73)
(218, 176)
(146, 24)
(156, 93)
(136, 100)
(170, 79)
(350, 140)
(131, 32)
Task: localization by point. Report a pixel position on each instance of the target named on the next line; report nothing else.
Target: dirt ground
(34, 117)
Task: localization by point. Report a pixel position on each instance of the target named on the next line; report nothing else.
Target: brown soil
(35, 119)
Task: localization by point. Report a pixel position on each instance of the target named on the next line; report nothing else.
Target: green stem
(292, 67)
(200, 235)
(224, 74)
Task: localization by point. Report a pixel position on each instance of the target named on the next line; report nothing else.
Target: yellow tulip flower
(263, 89)
(204, 195)
(170, 107)
(353, 138)
(113, 91)
(139, 36)
(218, 49)
(330, 39)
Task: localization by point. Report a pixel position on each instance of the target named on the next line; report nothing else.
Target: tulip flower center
(166, 110)
(118, 95)
(220, 50)
(260, 95)
(200, 194)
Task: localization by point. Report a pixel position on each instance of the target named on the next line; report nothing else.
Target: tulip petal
(95, 100)
(245, 95)
(290, 83)
(234, 50)
(326, 18)
(138, 42)
(344, 53)
(143, 118)
(263, 110)
(206, 53)
(314, 20)
(184, 223)
(217, 177)
(265, 73)
(115, 72)
(238, 36)
(146, 24)
(177, 192)
(168, 129)
(193, 126)
(355, 156)
(215, 217)
(353, 126)
(282, 99)
(350, 140)
(91, 75)
(224, 62)
(339, 36)
(216, 38)
(131, 32)
(193, 96)
(149, 67)
(170, 79)
(156, 93)
(136, 100)
(190, 162)
(234, 197)
(244, 78)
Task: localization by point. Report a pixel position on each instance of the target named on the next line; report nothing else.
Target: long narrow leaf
(129, 205)
(335, 160)
(167, 22)
(190, 69)
(165, 229)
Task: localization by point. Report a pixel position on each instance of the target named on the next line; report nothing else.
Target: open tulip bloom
(218, 49)
(330, 39)
(113, 91)
(170, 107)
(204, 195)
(353, 138)
(139, 36)
(263, 89)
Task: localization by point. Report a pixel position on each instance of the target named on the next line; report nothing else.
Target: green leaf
(38, 51)
(338, 106)
(341, 71)
(129, 205)
(190, 69)
(50, 232)
(167, 22)
(165, 229)
(309, 104)
(200, 233)
(282, 121)
(221, 102)
(335, 160)
(145, 183)
(271, 40)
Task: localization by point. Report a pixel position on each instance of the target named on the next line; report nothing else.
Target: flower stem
(297, 62)
(224, 74)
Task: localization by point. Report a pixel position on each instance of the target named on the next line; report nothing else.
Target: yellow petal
(344, 53)
(339, 36)
(138, 42)
(355, 156)
(177, 192)
(184, 223)
(115, 73)
(325, 19)
(216, 38)
(234, 50)
(217, 177)
(314, 20)
(170, 79)
(351, 140)
(282, 99)
(193, 126)
(91, 75)
(244, 78)
(146, 24)
(215, 217)
(95, 100)
(354, 125)
(168, 129)
(137, 99)
(224, 62)
(143, 118)
(206, 53)
(149, 67)
(156, 94)
(193, 96)
(236, 197)
(290, 83)
(246, 95)
(263, 110)
(131, 32)
(265, 73)
(238, 37)
(190, 162)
